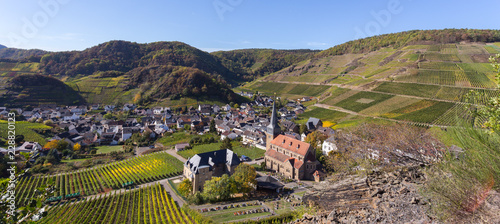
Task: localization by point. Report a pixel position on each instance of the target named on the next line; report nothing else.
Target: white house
(158, 110)
(109, 108)
(73, 117)
(329, 145)
(29, 147)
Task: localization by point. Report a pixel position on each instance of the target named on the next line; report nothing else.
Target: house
(216, 109)
(29, 147)
(269, 183)
(157, 110)
(313, 123)
(288, 156)
(202, 167)
(226, 107)
(55, 114)
(289, 126)
(181, 146)
(94, 107)
(109, 108)
(329, 145)
(230, 135)
(128, 107)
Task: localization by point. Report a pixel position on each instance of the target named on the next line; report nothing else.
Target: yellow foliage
(51, 145)
(77, 147)
(137, 97)
(328, 124)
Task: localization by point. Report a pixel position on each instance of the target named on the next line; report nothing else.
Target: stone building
(202, 167)
(288, 156)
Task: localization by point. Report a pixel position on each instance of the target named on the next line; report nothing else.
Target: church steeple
(273, 129)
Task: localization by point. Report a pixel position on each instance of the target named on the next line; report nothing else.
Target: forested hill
(2, 46)
(402, 39)
(124, 57)
(15, 54)
(252, 63)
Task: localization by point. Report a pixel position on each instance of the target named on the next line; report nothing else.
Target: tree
(62, 145)
(226, 144)
(316, 138)
(219, 188)
(51, 145)
(53, 157)
(212, 126)
(77, 147)
(185, 187)
(108, 116)
(244, 177)
(19, 139)
(302, 128)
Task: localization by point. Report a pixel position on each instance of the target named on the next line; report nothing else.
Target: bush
(469, 177)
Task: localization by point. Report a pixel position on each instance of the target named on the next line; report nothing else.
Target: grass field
(26, 129)
(362, 100)
(108, 148)
(410, 89)
(175, 138)
(323, 114)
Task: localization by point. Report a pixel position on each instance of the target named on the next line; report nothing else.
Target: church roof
(291, 144)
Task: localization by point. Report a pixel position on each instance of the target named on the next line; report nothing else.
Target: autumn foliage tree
(244, 177)
(77, 147)
(51, 145)
(185, 187)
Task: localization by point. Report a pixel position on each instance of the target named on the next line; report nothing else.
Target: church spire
(273, 127)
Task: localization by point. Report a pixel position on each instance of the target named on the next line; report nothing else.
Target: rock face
(378, 198)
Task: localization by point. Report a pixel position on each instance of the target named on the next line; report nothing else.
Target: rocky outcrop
(380, 197)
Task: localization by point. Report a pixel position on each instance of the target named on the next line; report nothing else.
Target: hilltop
(420, 77)
(16, 54)
(2, 46)
(159, 72)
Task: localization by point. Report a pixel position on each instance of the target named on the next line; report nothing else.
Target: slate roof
(268, 182)
(223, 156)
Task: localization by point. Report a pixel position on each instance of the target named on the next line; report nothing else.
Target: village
(288, 164)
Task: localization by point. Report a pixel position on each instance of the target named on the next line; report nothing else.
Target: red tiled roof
(296, 146)
(296, 163)
(277, 155)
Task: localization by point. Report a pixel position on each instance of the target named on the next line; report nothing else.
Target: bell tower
(273, 129)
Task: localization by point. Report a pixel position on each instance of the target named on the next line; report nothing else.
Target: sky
(211, 25)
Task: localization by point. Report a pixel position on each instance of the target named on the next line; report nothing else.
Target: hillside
(253, 63)
(15, 54)
(2, 46)
(39, 89)
(418, 80)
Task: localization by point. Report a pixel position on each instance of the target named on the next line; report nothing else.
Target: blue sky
(59, 25)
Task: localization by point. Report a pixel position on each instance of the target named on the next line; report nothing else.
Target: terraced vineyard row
(450, 78)
(145, 205)
(137, 170)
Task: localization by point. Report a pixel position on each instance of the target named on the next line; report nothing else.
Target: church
(288, 156)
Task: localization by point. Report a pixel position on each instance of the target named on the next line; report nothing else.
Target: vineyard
(145, 205)
(138, 170)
